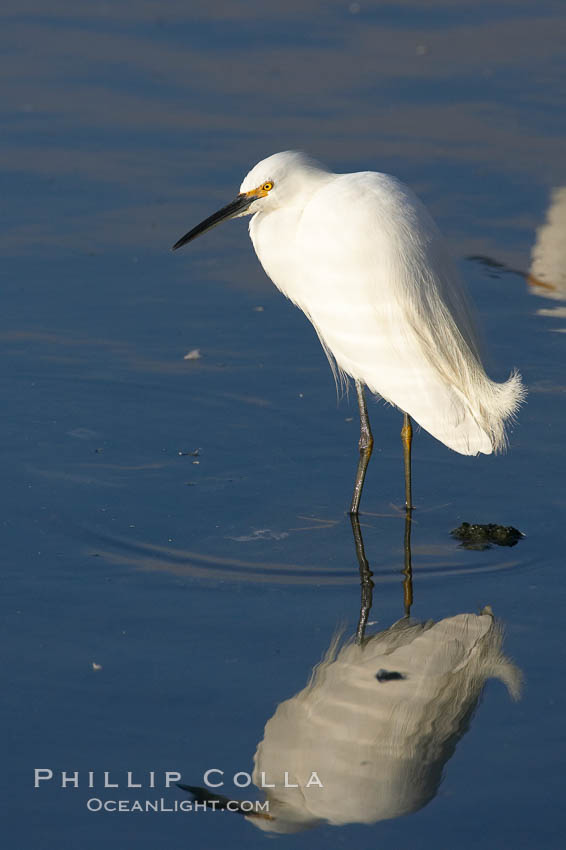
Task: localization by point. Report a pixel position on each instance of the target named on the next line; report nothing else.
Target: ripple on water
(428, 560)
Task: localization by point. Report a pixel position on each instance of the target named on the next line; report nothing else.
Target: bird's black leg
(365, 580)
(365, 445)
(407, 437)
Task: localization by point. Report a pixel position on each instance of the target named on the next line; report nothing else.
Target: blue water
(177, 554)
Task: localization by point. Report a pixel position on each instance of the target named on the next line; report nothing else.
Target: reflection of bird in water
(361, 257)
(379, 718)
(378, 722)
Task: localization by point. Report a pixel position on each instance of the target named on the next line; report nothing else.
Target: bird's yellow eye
(267, 187)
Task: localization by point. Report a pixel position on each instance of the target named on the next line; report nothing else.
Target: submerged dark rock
(476, 536)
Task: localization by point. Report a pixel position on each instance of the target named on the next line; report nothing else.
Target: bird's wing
(378, 284)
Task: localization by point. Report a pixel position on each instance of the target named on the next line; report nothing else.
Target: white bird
(362, 258)
(548, 256)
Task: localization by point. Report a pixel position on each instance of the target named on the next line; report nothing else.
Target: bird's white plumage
(548, 256)
(361, 256)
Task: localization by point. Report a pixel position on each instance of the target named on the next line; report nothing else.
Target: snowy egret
(362, 258)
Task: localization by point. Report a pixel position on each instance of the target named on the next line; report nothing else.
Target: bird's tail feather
(500, 402)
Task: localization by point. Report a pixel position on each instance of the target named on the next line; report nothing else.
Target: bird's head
(272, 183)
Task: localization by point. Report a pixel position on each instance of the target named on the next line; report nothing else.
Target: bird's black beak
(236, 207)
